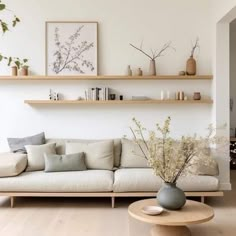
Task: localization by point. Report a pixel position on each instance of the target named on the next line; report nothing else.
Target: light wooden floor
(95, 217)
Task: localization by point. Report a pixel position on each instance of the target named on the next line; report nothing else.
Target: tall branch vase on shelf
(152, 67)
(191, 66)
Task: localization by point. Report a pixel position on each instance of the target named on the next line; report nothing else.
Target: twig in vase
(156, 53)
(195, 46)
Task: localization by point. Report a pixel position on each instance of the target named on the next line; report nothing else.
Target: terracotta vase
(152, 68)
(24, 70)
(14, 71)
(191, 67)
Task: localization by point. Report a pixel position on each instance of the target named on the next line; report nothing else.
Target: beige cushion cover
(131, 155)
(36, 155)
(209, 167)
(97, 155)
(61, 146)
(143, 179)
(71, 181)
(12, 164)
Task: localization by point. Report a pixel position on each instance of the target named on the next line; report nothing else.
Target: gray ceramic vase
(171, 197)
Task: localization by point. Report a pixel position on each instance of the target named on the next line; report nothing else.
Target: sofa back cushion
(58, 163)
(131, 155)
(18, 144)
(61, 147)
(98, 155)
(36, 155)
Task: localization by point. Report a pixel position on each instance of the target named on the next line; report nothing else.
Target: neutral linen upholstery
(12, 164)
(61, 143)
(70, 181)
(36, 155)
(97, 155)
(143, 179)
(209, 167)
(71, 162)
(18, 144)
(131, 155)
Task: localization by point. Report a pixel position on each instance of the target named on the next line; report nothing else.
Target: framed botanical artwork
(71, 48)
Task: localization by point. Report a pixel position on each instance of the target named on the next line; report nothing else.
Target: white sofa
(119, 182)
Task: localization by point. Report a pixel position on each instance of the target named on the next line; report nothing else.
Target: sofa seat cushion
(143, 180)
(74, 181)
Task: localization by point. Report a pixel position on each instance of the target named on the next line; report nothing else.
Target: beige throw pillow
(204, 165)
(12, 164)
(131, 155)
(36, 155)
(98, 155)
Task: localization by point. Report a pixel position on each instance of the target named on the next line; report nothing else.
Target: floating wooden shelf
(114, 102)
(105, 77)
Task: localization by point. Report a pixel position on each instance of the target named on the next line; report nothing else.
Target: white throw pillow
(98, 155)
(36, 155)
(12, 164)
(131, 155)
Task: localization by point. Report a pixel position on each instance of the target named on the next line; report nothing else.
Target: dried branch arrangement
(171, 158)
(195, 46)
(154, 53)
(5, 27)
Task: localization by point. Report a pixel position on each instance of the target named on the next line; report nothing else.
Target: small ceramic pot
(14, 71)
(24, 70)
(112, 97)
(197, 96)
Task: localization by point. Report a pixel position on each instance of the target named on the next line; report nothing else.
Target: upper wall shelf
(105, 77)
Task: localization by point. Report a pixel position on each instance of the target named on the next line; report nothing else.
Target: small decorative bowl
(152, 210)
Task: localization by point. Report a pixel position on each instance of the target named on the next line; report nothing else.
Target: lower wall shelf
(114, 102)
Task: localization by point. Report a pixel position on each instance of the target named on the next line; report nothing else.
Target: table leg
(162, 230)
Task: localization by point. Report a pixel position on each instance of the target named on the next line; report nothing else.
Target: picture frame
(71, 48)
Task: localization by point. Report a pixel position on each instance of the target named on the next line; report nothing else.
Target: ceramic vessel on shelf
(152, 68)
(14, 71)
(197, 96)
(191, 67)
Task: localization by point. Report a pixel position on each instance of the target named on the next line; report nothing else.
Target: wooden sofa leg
(113, 202)
(202, 199)
(12, 202)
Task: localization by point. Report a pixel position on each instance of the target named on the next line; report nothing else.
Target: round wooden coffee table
(172, 222)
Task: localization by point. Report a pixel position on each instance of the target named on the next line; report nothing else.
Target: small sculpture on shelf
(129, 71)
(154, 55)
(54, 96)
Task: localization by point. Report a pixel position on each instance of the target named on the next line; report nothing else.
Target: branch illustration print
(71, 54)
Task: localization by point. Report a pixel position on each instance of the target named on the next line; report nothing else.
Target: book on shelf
(97, 94)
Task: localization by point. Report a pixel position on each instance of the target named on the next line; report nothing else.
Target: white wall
(120, 23)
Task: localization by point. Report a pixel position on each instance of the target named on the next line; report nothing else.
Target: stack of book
(97, 94)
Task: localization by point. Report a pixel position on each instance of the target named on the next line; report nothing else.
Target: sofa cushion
(70, 181)
(205, 165)
(61, 143)
(98, 155)
(18, 144)
(71, 162)
(12, 164)
(131, 155)
(143, 179)
(36, 155)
